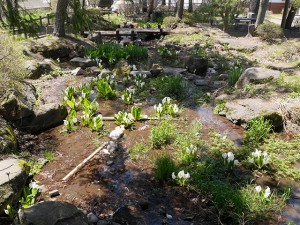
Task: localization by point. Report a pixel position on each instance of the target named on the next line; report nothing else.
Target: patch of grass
(261, 209)
(12, 68)
(49, 155)
(170, 86)
(284, 155)
(35, 166)
(162, 134)
(164, 167)
(185, 39)
(139, 150)
(257, 131)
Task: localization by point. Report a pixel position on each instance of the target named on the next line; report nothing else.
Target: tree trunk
(169, 4)
(285, 12)
(253, 7)
(190, 9)
(144, 6)
(290, 17)
(263, 6)
(179, 12)
(60, 17)
(163, 2)
(151, 7)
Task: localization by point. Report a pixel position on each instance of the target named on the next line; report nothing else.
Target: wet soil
(103, 188)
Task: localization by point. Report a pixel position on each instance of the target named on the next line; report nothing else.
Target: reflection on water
(220, 124)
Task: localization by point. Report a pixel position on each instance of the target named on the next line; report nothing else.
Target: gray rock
(234, 44)
(173, 70)
(105, 72)
(53, 193)
(110, 163)
(18, 103)
(201, 82)
(82, 62)
(37, 69)
(53, 213)
(256, 74)
(197, 65)
(78, 71)
(12, 182)
(242, 111)
(117, 133)
(112, 146)
(8, 141)
(92, 218)
(45, 117)
(94, 70)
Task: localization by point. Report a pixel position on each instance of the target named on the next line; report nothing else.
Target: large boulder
(47, 116)
(18, 103)
(18, 107)
(8, 142)
(55, 47)
(256, 74)
(197, 65)
(53, 213)
(12, 181)
(241, 111)
(37, 69)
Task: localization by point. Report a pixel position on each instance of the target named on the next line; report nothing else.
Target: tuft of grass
(257, 131)
(49, 155)
(164, 167)
(139, 150)
(162, 134)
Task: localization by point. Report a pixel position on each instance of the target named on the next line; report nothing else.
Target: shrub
(234, 74)
(162, 134)
(12, 66)
(269, 31)
(170, 22)
(164, 167)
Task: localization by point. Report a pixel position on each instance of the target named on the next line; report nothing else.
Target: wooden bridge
(130, 32)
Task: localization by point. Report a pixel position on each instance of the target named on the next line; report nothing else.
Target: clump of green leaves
(128, 96)
(220, 106)
(106, 88)
(166, 108)
(124, 118)
(234, 73)
(29, 196)
(111, 53)
(162, 134)
(164, 167)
